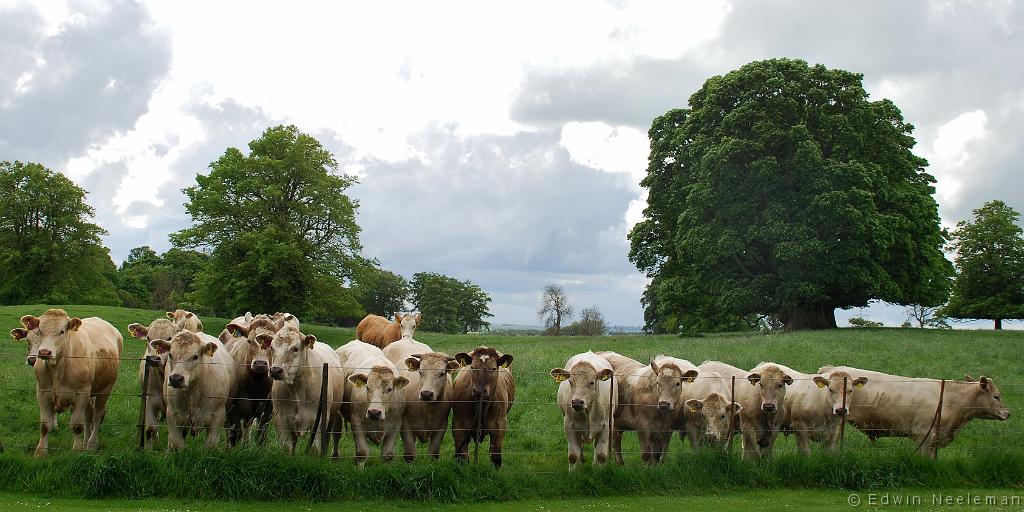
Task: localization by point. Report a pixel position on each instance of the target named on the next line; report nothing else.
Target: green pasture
(986, 454)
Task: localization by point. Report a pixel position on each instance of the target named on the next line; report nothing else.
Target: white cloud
(950, 152)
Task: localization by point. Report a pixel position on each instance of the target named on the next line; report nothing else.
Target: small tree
(591, 323)
(554, 308)
(927, 316)
(990, 266)
(861, 322)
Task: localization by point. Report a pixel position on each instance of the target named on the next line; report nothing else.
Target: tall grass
(986, 453)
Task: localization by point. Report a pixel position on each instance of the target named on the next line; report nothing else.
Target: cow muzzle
(712, 438)
(480, 392)
(578, 405)
(1004, 415)
(260, 367)
(45, 353)
(840, 411)
(664, 405)
(769, 408)
(30, 360)
(375, 414)
(176, 380)
(426, 395)
(276, 373)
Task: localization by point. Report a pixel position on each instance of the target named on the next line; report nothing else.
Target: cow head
(988, 402)
(282, 319)
(32, 340)
(159, 329)
(409, 323)
(289, 351)
(772, 382)
(483, 364)
(258, 338)
(51, 331)
(188, 357)
(434, 369)
(715, 415)
(381, 386)
(834, 384)
(583, 380)
(668, 382)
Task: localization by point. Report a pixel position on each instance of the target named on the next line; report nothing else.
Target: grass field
(987, 454)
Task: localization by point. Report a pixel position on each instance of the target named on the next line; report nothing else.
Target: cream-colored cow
(427, 406)
(762, 397)
(707, 412)
(588, 405)
(815, 409)
(156, 406)
(186, 320)
(374, 402)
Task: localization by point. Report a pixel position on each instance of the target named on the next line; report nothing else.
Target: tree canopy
(449, 305)
(150, 281)
(990, 266)
(379, 291)
(50, 250)
(784, 191)
(279, 227)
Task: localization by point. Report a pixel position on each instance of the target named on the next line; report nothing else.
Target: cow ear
(787, 380)
(860, 381)
(398, 317)
(690, 375)
(694, 405)
(161, 346)
(505, 360)
(452, 364)
(138, 330)
(559, 374)
(400, 382)
(224, 336)
(264, 340)
(968, 378)
(419, 318)
(604, 374)
(754, 378)
(74, 324)
(19, 334)
(189, 314)
(289, 317)
(357, 379)
(464, 359)
(820, 381)
(170, 314)
(984, 381)
(654, 365)
(309, 341)
(734, 408)
(238, 330)
(30, 322)
(209, 349)
(412, 363)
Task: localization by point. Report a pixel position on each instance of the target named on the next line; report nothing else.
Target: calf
(156, 406)
(648, 396)
(297, 369)
(588, 403)
(707, 413)
(816, 405)
(762, 403)
(482, 395)
(377, 330)
(251, 353)
(374, 403)
(426, 396)
(76, 364)
(895, 406)
(198, 388)
(186, 320)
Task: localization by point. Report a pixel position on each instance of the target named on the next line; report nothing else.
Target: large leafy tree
(280, 229)
(990, 266)
(784, 191)
(379, 291)
(449, 305)
(151, 281)
(50, 250)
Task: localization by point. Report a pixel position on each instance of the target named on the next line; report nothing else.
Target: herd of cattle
(385, 384)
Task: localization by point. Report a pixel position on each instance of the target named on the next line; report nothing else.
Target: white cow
(588, 405)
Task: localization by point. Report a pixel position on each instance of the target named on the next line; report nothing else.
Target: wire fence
(919, 417)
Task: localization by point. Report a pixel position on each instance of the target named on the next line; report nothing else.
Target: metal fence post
(144, 395)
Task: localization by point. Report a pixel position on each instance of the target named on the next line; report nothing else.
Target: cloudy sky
(501, 143)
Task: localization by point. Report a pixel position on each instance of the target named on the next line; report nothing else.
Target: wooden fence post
(144, 395)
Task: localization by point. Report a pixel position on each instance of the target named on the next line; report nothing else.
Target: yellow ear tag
(693, 409)
(859, 385)
(605, 377)
(820, 384)
(560, 377)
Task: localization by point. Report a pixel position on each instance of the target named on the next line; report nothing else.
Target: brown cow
(378, 331)
(426, 396)
(895, 406)
(649, 396)
(156, 406)
(485, 382)
(186, 320)
(253, 358)
(76, 366)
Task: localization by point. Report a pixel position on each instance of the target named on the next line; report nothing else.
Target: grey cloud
(95, 78)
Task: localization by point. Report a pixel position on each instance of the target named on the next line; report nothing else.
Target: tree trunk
(808, 317)
(999, 324)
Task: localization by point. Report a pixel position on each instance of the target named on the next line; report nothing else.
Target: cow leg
(362, 447)
(408, 443)
(214, 425)
(460, 434)
(387, 446)
(80, 409)
(692, 436)
(335, 427)
(284, 432)
(175, 432)
(154, 407)
(750, 448)
(803, 441)
(645, 445)
(436, 437)
(617, 446)
(497, 439)
(573, 441)
(47, 421)
(601, 446)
